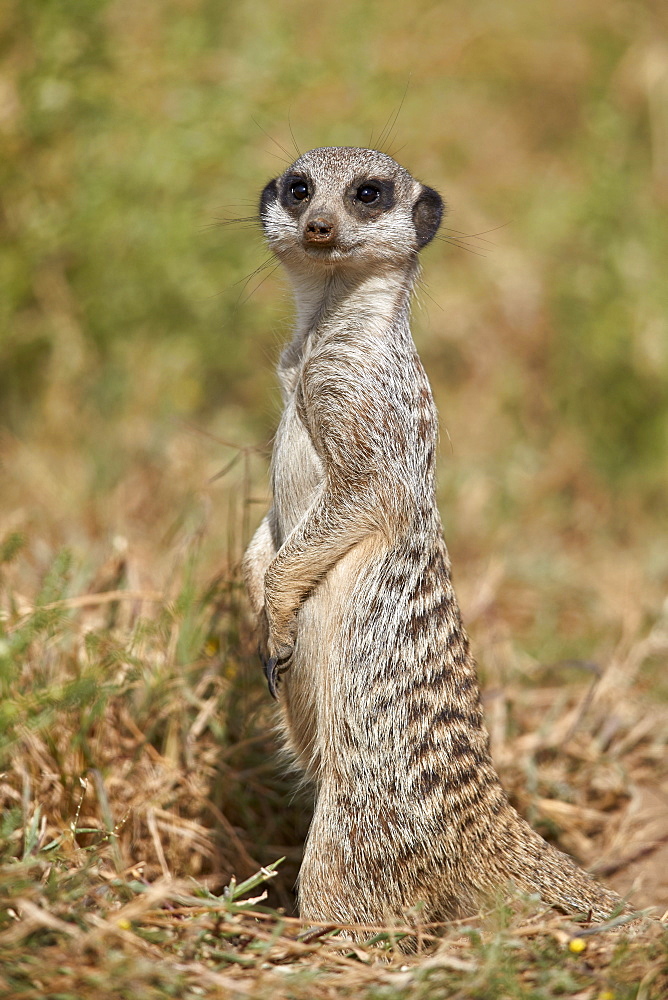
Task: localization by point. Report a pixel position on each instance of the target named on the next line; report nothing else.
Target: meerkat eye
(368, 193)
(299, 190)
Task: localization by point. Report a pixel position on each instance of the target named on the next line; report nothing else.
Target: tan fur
(350, 579)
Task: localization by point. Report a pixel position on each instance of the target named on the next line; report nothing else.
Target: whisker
(261, 267)
(458, 235)
(250, 222)
(292, 136)
(242, 301)
(453, 241)
(423, 287)
(271, 138)
(478, 236)
(246, 203)
(396, 152)
(381, 137)
(282, 159)
(385, 136)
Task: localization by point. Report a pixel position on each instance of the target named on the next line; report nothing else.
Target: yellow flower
(577, 945)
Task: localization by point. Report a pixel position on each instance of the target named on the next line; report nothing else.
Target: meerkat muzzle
(320, 232)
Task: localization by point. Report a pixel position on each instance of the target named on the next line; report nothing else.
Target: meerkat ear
(268, 196)
(427, 215)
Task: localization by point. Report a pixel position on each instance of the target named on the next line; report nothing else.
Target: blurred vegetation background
(137, 394)
(129, 129)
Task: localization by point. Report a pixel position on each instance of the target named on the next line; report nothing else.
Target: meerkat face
(346, 207)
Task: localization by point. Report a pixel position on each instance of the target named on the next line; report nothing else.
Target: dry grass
(122, 938)
(140, 778)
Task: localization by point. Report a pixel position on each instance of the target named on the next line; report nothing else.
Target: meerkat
(349, 578)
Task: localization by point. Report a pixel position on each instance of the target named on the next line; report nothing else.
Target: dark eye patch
(296, 192)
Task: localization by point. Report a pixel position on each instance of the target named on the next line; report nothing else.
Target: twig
(91, 600)
(157, 843)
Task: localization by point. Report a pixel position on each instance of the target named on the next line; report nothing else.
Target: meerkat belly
(298, 476)
(324, 619)
(298, 472)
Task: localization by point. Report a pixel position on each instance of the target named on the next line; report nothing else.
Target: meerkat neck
(344, 298)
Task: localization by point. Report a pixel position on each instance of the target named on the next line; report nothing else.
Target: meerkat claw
(272, 675)
(273, 668)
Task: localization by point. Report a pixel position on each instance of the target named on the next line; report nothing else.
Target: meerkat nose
(320, 231)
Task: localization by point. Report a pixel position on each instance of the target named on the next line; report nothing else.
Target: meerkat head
(344, 207)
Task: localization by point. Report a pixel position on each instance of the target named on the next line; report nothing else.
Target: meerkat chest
(297, 470)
